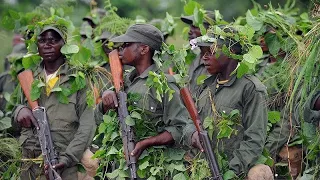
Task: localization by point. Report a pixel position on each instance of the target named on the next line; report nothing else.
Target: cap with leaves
(235, 42)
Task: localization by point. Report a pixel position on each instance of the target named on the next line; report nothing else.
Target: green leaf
(14, 14)
(180, 167)
(144, 165)
(135, 115)
(234, 112)
(62, 98)
(190, 6)
(8, 23)
(129, 121)
(151, 178)
(200, 79)
(5, 123)
(273, 43)
(169, 18)
(56, 89)
(112, 150)
(174, 154)
(242, 70)
(30, 60)
(229, 175)
(208, 121)
(255, 23)
(35, 91)
(274, 116)
(179, 176)
(256, 51)
(99, 153)
(114, 174)
(69, 49)
(102, 128)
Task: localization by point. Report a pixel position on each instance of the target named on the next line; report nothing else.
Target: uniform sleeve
(84, 135)
(177, 120)
(310, 115)
(254, 120)
(279, 135)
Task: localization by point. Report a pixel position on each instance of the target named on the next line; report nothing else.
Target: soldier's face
(214, 60)
(49, 45)
(129, 53)
(194, 32)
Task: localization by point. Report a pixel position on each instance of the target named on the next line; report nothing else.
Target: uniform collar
(213, 80)
(62, 72)
(145, 74)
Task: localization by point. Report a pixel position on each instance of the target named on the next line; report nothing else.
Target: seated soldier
(222, 94)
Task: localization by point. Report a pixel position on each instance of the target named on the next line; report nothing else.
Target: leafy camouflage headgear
(61, 30)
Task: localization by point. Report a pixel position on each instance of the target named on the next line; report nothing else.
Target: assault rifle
(126, 130)
(48, 152)
(203, 135)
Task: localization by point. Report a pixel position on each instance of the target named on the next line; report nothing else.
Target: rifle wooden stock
(116, 69)
(26, 78)
(203, 135)
(48, 152)
(126, 131)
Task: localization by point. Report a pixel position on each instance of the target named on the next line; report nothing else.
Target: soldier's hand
(26, 119)
(109, 100)
(195, 141)
(57, 168)
(138, 149)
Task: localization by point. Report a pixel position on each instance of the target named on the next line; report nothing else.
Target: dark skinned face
(129, 53)
(194, 32)
(215, 62)
(49, 45)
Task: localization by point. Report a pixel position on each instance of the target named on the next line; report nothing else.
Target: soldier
(71, 125)
(174, 126)
(197, 68)
(222, 93)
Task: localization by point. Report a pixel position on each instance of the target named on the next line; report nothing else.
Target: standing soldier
(240, 101)
(197, 67)
(170, 117)
(71, 125)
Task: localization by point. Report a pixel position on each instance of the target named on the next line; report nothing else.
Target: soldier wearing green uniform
(222, 93)
(170, 117)
(71, 125)
(196, 68)
(7, 84)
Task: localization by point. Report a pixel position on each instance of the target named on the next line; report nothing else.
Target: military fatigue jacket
(196, 69)
(247, 95)
(72, 125)
(7, 85)
(310, 115)
(171, 116)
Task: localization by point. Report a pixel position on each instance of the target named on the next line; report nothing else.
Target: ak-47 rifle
(126, 131)
(203, 135)
(48, 151)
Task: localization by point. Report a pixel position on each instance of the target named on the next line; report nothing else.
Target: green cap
(61, 31)
(189, 19)
(105, 36)
(84, 26)
(142, 33)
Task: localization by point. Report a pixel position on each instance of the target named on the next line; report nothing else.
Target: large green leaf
(242, 70)
(273, 43)
(69, 49)
(253, 21)
(274, 116)
(5, 123)
(179, 176)
(190, 6)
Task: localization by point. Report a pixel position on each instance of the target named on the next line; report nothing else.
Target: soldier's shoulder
(256, 82)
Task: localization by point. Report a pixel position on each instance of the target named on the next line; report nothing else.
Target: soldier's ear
(145, 49)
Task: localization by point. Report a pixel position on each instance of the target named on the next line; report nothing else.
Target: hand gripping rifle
(203, 135)
(126, 131)
(48, 152)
